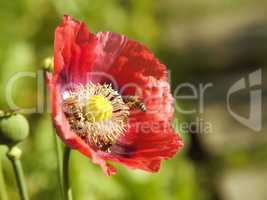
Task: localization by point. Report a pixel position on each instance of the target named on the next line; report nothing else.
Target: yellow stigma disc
(98, 108)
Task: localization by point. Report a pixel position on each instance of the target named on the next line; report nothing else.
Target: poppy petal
(109, 47)
(126, 61)
(74, 51)
(147, 150)
(69, 137)
(61, 123)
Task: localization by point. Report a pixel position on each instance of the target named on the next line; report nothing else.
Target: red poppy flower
(111, 99)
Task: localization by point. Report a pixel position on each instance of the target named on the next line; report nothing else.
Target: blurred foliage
(188, 36)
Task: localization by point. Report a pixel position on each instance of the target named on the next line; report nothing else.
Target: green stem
(60, 164)
(3, 193)
(14, 156)
(66, 159)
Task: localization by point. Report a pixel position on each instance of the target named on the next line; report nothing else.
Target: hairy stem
(14, 156)
(66, 161)
(59, 164)
(3, 193)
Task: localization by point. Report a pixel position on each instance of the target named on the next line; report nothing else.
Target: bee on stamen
(134, 102)
(73, 112)
(97, 114)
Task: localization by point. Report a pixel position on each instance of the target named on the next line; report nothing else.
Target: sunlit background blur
(201, 41)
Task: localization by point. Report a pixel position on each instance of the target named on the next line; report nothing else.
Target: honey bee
(73, 112)
(134, 102)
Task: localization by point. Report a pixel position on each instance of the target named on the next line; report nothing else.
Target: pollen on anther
(96, 113)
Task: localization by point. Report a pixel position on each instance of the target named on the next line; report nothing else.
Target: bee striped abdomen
(134, 102)
(73, 112)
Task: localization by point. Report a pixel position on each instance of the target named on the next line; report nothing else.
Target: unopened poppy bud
(48, 64)
(14, 153)
(2, 113)
(13, 129)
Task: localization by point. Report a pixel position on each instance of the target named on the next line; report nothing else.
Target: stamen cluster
(97, 113)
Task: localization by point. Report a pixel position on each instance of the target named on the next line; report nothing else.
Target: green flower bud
(13, 129)
(49, 64)
(14, 153)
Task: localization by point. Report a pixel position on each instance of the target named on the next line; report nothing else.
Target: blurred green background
(201, 41)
